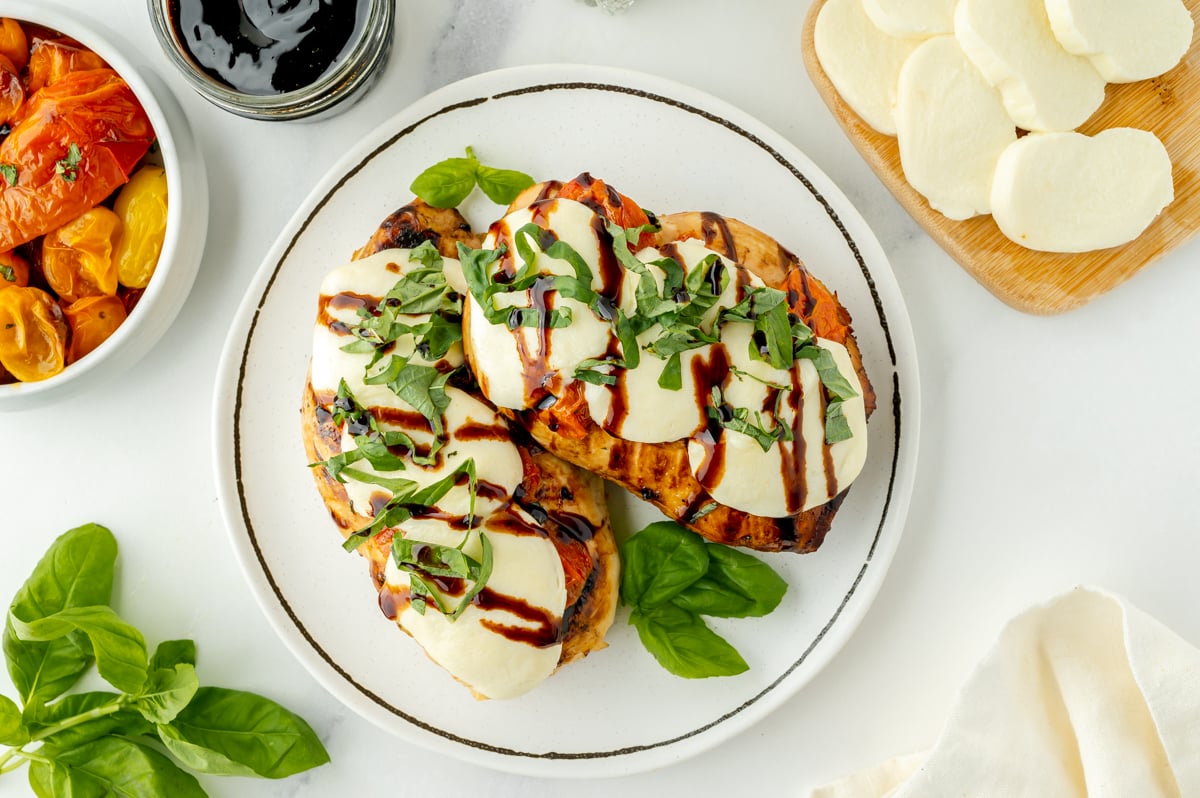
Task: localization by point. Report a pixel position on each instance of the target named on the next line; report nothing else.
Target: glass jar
(356, 66)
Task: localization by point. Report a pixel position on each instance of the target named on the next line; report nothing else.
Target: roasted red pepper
(91, 114)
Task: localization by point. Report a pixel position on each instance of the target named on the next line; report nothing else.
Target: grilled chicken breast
(558, 409)
(545, 520)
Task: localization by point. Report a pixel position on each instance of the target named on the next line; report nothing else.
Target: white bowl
(187, 216)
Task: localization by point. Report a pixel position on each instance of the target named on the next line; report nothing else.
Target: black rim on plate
(237, 412)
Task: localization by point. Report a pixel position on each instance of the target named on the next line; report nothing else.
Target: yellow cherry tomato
(14, 270)
(142, 209)
(77, 258)
(33, 334)
(92, 320)
(14, 44)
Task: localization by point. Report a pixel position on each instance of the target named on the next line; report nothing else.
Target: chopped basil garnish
(447, 183)
(741, 419)
(421, 560)
(589, 370)
(409, 497)
(9, 173)
(837, 428)
(8, 273)
(67, 168)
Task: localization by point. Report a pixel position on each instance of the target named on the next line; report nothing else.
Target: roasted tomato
(14, 45)
(92, 320)
(51, 60)
(33, 334)
(12, 90)
(14, 270)
(142, 208)
(608, 202)
(74, 142)
(77, 258)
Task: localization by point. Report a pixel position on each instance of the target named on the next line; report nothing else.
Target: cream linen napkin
(1082, 696)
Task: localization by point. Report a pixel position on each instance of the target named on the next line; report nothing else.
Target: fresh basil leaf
(52, 780)
(9, 173)
(77, 570)
(170, 653)
(684, 645)
(237, 733)
(400, 507)
(589, 371)
(106, 715)
(671, 378)
(12, 727)
(502, 185)
(166, 692)
(439, 335)
(129, 769)
(836, 384)
(422, 387)
(447, 183)
(427, 255)
(659, 563)
(119, 649)
(736, 585)
(740, 419)
(837, 426)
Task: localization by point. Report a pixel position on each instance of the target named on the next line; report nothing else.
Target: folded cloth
(1082, 696)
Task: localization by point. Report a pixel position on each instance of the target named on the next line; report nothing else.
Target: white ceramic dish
(187, 215)
(671, 148)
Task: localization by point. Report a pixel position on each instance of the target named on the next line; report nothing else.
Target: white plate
(671, 148)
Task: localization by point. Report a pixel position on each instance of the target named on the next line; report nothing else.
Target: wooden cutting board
(1041, 282)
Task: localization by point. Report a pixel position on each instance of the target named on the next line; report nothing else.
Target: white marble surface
(1055, 451)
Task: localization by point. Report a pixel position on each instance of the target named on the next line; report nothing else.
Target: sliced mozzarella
(477, 648)
(1125, 40)
(911, 18)
(951, 126)
(1065, 192)
(1044, 87)
(862, 61)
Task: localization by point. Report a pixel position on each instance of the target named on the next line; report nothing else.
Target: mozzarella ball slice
(1066, 192)
(911, 18)
(1125, 41)
(952, 127)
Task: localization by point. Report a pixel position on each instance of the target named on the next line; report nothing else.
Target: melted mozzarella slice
(1126, 41)
(951, 126)
(506, 642)
(1044, 87)
(911, 18)
(790, 476)
(1066, 192)
(862, 61)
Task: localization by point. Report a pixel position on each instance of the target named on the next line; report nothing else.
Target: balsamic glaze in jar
(273, 47)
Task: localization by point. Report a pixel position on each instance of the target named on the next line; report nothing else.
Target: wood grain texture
(1041, 282)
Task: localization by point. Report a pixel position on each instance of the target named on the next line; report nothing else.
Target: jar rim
(367, 54)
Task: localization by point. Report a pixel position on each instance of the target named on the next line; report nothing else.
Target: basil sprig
(447, 183)
(745, 421)
(143, 739)
(671, 577)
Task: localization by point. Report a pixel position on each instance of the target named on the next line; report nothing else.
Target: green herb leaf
(736, 585)
(231, 732)
(170, 653)
(167, 691)
(741, 419)
(119, 649)
(590, 370)
(502, 185)
(81, 718)
(67, 168)
(76, 571)
(410, 497)
(447, 183)
(837, 426)
(8, 273)
(120, 767)
(659, 563)
(684, 645)
(12, 728)
(421, 560)
(835, 382)
(671, 378)
(9, 173)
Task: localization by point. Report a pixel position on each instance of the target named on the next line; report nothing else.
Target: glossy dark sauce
(791, 460)
(714, 226)
(544, 632)
(343, 301)
(474, 431)
(277, 46)
(393, 600)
